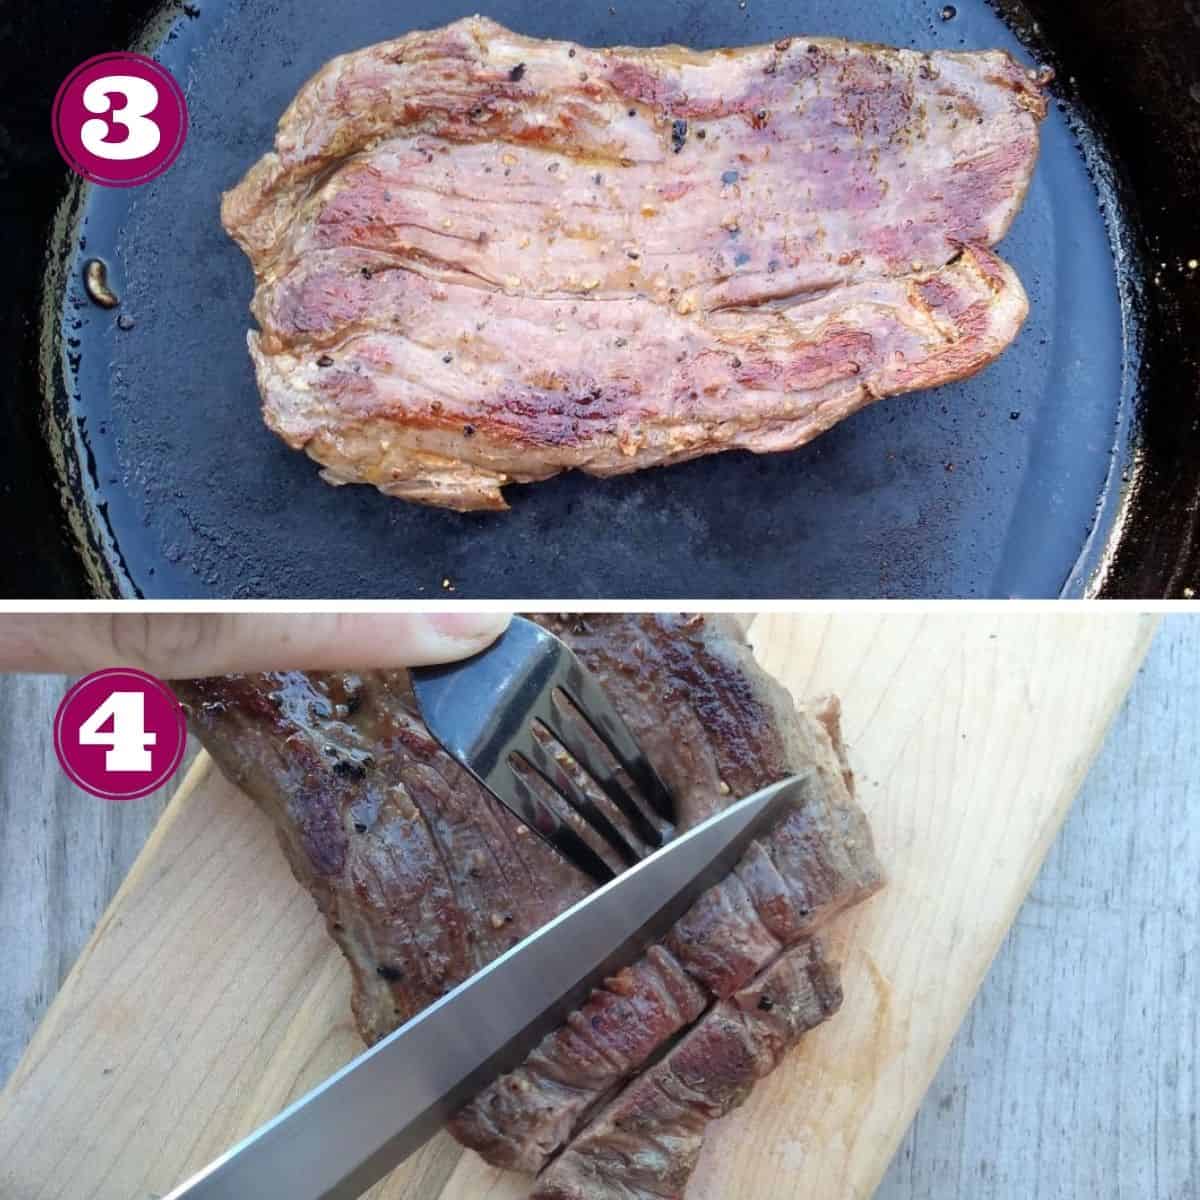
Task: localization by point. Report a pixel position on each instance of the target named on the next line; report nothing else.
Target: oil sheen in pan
(1007, 484)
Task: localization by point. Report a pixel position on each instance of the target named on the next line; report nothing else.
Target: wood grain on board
(209, 995)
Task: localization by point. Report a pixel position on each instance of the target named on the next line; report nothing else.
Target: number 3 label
(120, 119)
(120, 733)
(142, 134)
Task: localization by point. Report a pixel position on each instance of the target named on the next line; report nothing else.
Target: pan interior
(1003, 485)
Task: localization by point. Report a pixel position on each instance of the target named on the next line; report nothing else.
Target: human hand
(184, 645)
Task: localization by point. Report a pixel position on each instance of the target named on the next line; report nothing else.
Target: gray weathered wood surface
(1075, 1075)
(63, 854)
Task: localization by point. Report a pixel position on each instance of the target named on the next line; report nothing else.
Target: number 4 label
(127, 738)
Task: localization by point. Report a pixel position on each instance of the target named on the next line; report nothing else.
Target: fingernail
(470, 626)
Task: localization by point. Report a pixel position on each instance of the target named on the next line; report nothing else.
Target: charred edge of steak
(645, 1143)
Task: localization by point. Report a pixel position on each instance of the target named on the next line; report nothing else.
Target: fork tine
(519, 798)
(571, 737)
(569, 792)
(594, 706)
(547, 765)
(541, 711)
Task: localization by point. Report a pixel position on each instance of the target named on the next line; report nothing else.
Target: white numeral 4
(128, 737)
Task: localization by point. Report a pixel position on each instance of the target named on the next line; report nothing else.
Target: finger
(181, 645)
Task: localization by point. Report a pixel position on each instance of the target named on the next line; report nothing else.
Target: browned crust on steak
(484, 259)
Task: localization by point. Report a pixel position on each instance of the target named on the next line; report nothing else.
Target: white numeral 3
(128, 737)
(141, 97)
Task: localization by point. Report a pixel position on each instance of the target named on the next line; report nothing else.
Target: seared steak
(423, 878)
(644, 1145)
(817, 862)
(484, 259)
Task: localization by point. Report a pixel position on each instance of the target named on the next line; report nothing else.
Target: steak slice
(484, 259)
(423, 878)
(646, 1142)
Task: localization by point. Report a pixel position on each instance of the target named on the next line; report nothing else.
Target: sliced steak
(484, 259)
(815, 863)
(644, 1145)
(423, 878)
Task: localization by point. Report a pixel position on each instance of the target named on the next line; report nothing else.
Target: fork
(485, 710)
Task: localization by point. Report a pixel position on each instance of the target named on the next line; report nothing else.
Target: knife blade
(351, 1130)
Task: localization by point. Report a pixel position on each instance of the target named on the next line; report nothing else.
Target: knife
(351, 1130)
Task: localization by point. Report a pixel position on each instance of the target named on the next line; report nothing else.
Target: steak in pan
(423, 878)
(484, 259)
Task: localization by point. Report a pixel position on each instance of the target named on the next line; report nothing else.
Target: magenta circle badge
(120, 733)
(119, 119)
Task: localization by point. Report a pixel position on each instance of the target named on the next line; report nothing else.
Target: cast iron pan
(141, 467)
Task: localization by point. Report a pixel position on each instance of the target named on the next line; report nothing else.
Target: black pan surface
(1009, 484)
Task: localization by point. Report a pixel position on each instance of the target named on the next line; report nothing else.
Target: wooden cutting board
(209, 995)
